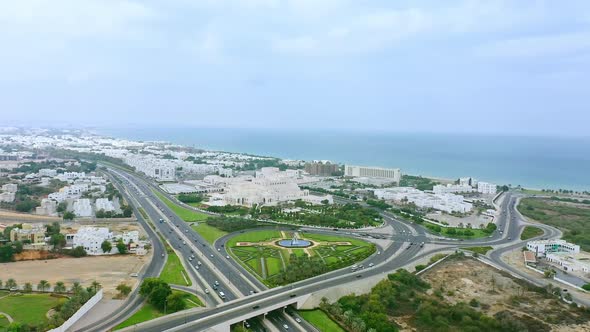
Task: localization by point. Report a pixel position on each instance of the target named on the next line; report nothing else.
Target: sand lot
(463, 280)
(107, 270)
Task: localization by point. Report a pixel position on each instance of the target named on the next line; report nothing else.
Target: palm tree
(76, 287)
(59, 287)
(43, 284)
(11, 283)
(96, 286)
(28, 287)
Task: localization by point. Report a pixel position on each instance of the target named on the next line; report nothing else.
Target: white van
(222, 295)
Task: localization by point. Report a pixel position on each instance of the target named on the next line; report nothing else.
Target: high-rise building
(321, 168)
(373, 172)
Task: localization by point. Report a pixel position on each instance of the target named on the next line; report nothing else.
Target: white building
(468, 181)
(91, 238)
(269, 187)
(7, 197)
(452, 188)
(82, 207)
(373, 172)
(10, 188)
(576, 263)
(47, 172)
(544, 247)
(443, 202)
(486, 188)
(104, 204)
(70, 176)
(48, 207)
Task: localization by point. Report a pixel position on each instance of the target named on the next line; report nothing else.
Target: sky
(483, 66)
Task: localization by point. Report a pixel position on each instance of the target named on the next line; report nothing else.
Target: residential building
(321, 168)
(104, 204)
(48, 172)
(48, 207)
(578, 263)
(35, 233)
(486, 188)
(468, 181)
(10, 188)
(443, 202)
(544, 247)
(91, 239)
(374, 172)
(82, 207)
(452, 188)
(7, 197)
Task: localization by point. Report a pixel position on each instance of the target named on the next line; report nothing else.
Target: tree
(124, 289)
(69, 215)
(156, 291)
(550, 274)
(18, 247)
(59, 287)
(43, 285)
(122, 247)
(79, 251)
(585, 287)
(28, 287)
(106, 246)
(76, 288)
(11, 283)
(62, 207)
(96, 286)
(175, 302)
(0, 283)
(58, 240)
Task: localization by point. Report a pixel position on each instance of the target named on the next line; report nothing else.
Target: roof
(529, 257)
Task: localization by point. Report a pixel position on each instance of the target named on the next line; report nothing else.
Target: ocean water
(534, 162)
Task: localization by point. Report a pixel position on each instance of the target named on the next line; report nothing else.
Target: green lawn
(3, 322)
(145, 313)
(184, 213)
(257, 236)
(209, 233)
(444, 231)
(173, 270)
(530, 232)
(320, 320)
(149, 312)
(29, 308)
(572, 219)
(479, 250)
(334, 256)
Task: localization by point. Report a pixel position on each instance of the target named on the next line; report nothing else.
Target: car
(298, 320)
(222, 245)
(251, 292)
(183, 242)
(196, 267)
(192, 256)
(199, 263)
(378, 252)
(134, 275)
(214, 287)
(190, 259)
(211, 255)
(285, 326)
(216, 282)
(256, 307)
(509, 238)
(371, 264)
(358, 276)
(206, 291)
(292, 295)
(218, 249)
(163, 255)
(186, 230)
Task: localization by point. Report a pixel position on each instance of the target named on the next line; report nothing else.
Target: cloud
(537, 46)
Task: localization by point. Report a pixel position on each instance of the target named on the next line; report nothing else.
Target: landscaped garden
(320, 320)
(29, 309)
(260, 253)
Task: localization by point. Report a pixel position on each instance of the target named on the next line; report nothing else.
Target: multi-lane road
(209, 267)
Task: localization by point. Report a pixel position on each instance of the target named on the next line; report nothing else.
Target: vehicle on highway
(298, 320)
(371, 264)
(134, 275)
(218, 249)
(256, 307)
(216, 283)
(222, 295)
(227, 256)
(206, 291)
(190, 259)
(359, 276)
(199, 263)
(246, 324)
(285, 326)
(184, 242)
(162, 255)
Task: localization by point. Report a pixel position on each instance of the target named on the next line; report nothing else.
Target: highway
(237, 284)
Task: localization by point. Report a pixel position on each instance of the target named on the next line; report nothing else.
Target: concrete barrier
(81, 312)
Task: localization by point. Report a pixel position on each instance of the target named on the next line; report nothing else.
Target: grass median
(530, 232)
(320, 320)
(184, 213)
(173, 272)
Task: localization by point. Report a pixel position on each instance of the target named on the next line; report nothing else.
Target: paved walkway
(10, 320)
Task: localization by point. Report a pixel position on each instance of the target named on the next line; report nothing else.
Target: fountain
(295, 242)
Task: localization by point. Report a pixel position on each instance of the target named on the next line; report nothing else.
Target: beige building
(30, 232)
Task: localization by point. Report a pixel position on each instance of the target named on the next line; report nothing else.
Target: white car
(285, 326)
(227, 256)
(206, 291)
(371, 264)
(134, 275)
(298, 320)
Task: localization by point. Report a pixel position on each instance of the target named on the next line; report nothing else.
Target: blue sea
(533, 162)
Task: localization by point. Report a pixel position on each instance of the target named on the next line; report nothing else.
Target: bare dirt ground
(107, 270)
(467, 279)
